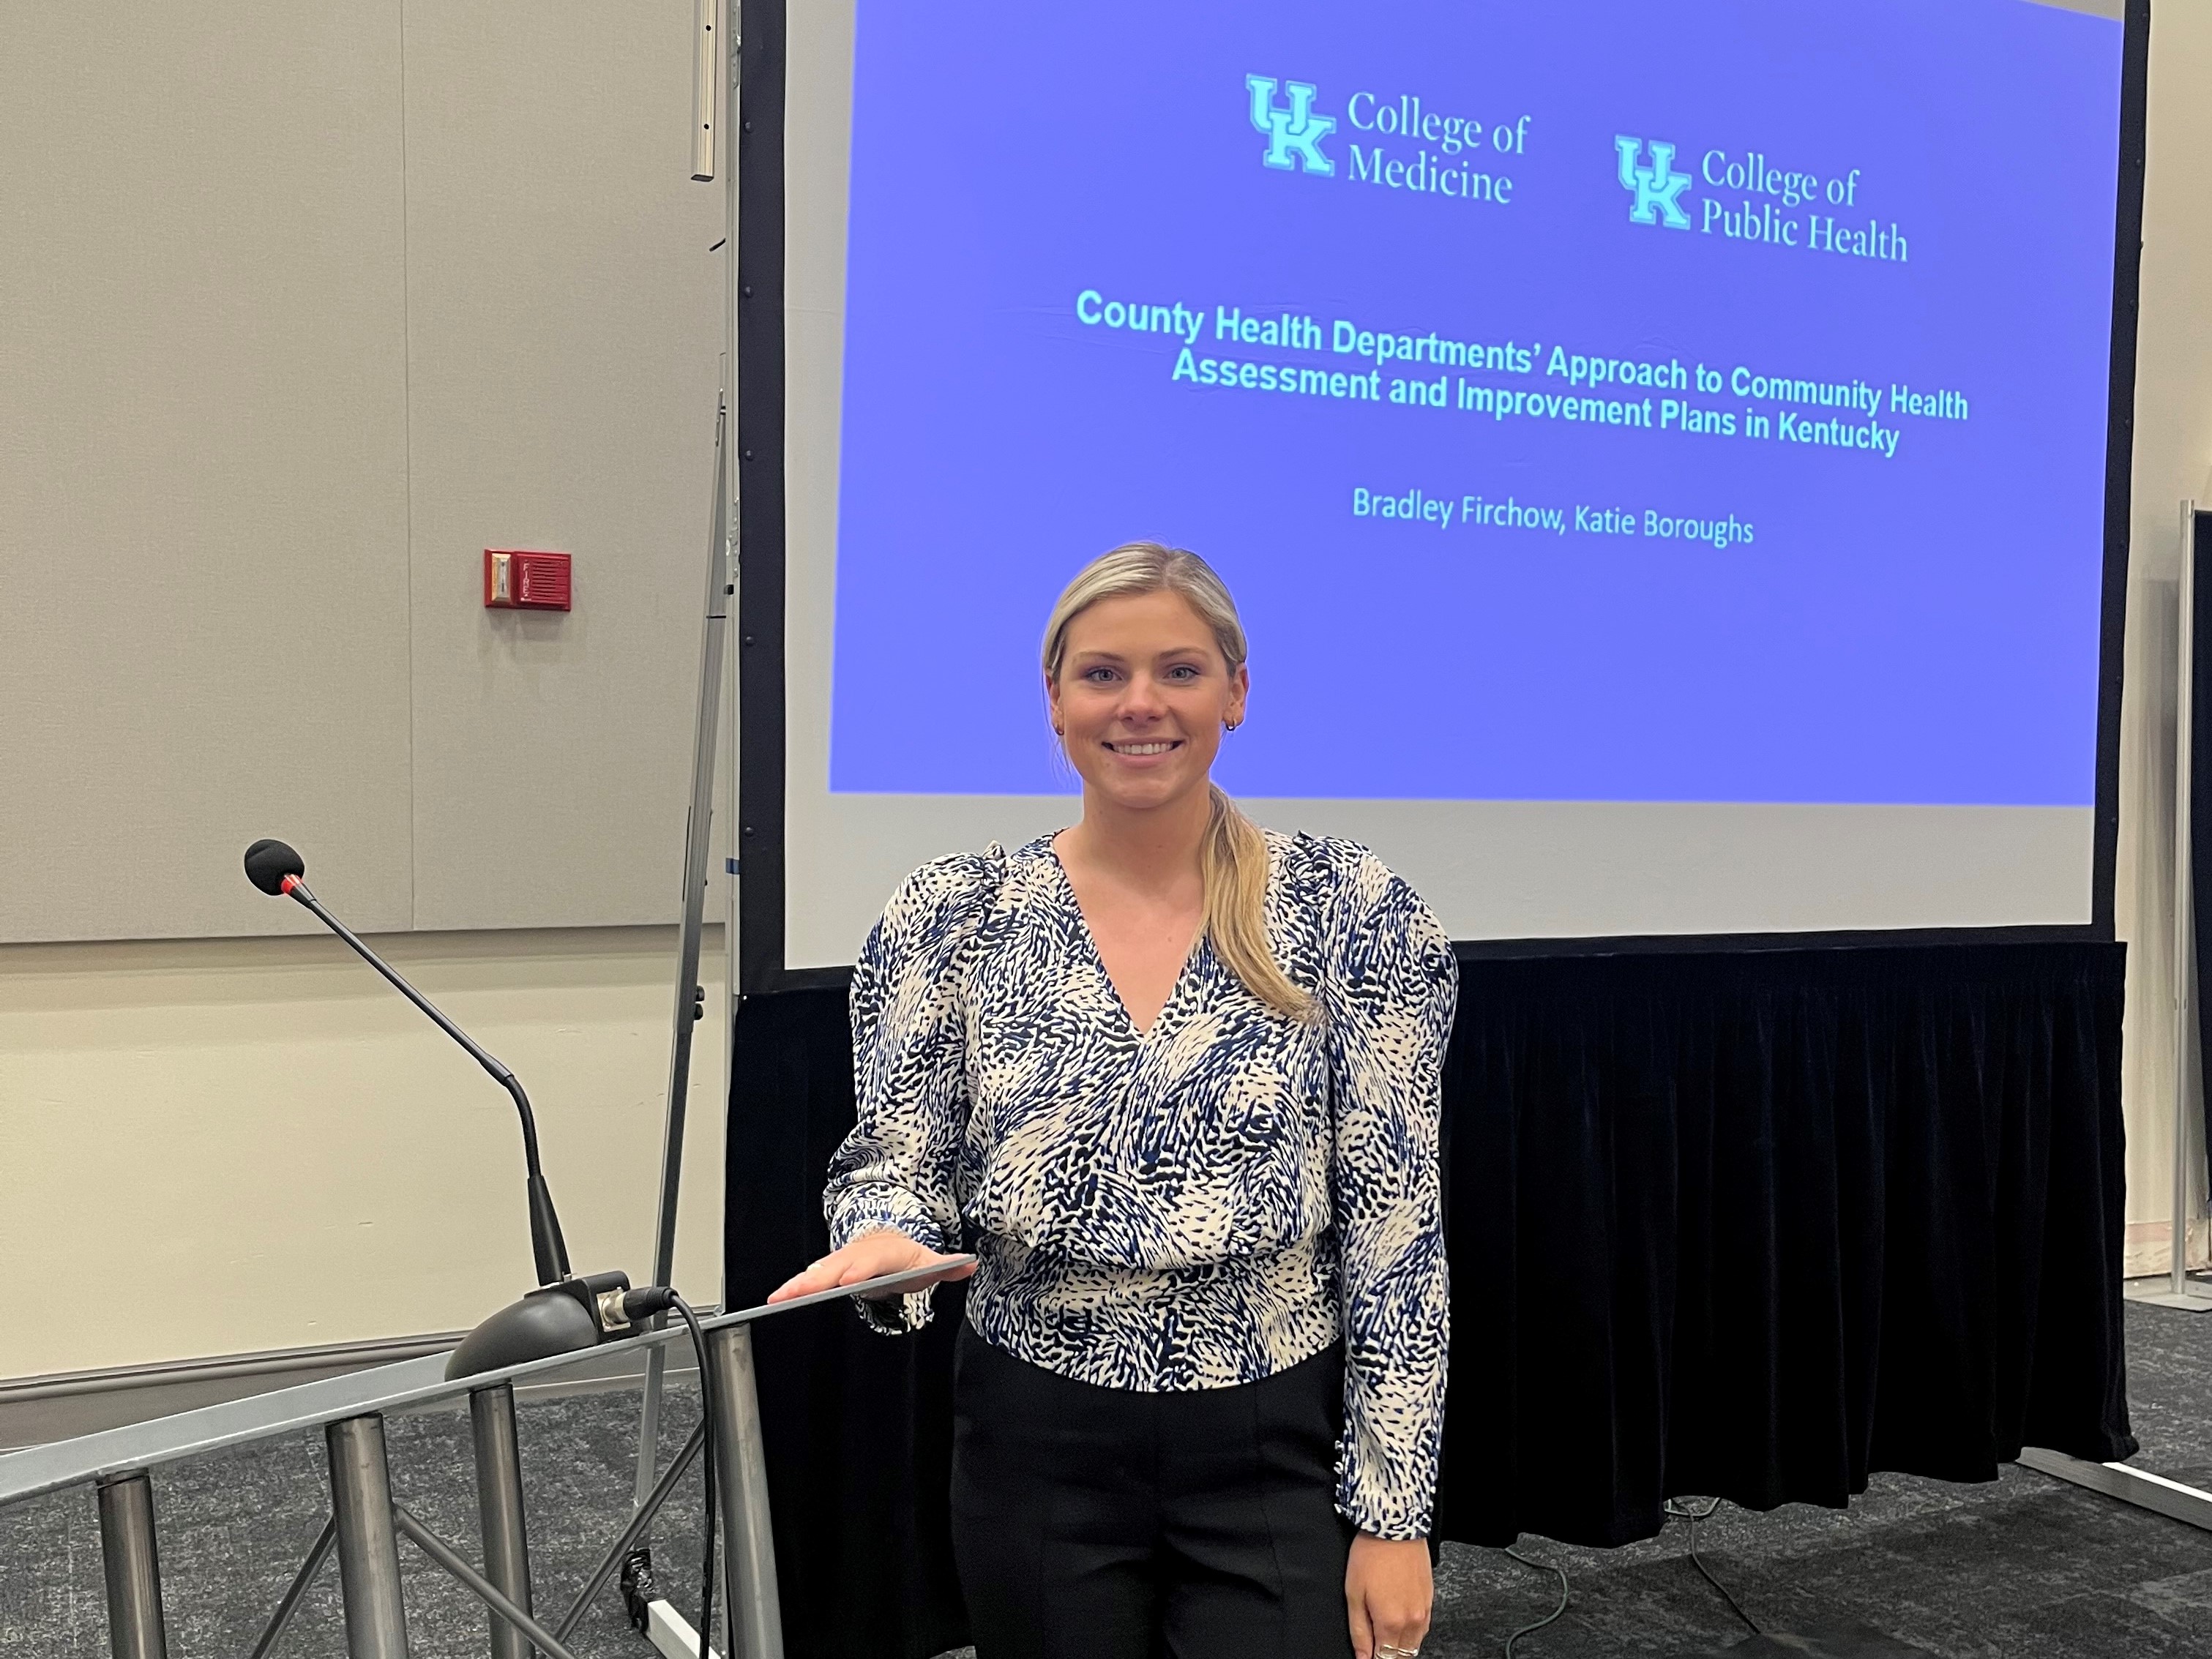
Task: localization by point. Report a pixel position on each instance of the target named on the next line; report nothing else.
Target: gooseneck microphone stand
(565, 1312)
(547, 1247)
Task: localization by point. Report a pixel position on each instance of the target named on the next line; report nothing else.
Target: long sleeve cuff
(1389, 1491)
(1393, 1437)
(870, 1209)
(1386, 1515)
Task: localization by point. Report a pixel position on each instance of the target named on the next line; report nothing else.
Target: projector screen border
(2119, 456)
(759, 133)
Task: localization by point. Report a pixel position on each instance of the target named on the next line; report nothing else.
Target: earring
(1231, 726)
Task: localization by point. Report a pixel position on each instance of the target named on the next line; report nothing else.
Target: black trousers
(1104, 1524)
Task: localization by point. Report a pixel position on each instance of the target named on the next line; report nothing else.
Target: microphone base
(553, 1319)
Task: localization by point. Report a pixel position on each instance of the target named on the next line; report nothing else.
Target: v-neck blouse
(1196, 1207)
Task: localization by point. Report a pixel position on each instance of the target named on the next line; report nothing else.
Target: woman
(1178, 1079)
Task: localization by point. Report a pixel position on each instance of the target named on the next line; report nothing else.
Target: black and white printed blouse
(1202, 1205)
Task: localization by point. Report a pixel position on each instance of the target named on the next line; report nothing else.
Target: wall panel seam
(407, 450)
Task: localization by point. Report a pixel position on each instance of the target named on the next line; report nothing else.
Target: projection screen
(1675, 477)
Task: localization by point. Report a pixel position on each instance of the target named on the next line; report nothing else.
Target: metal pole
(499, 1506)
(711, 64)
(2183, 909)
(689, 1008)
(475, 1583)
(733, 992)
(134, 1568)
(326, 1540)
(630, 1533)
(649, 1420)
(756, 1618)
(369, 1543)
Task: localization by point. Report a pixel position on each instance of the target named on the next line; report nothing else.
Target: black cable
(645, 1302)
(712, 1465)
(1549, 1618)
(1682, 1512)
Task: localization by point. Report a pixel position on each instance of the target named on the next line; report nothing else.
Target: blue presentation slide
(1585, 402)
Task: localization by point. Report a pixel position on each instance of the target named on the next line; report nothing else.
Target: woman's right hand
(869, 1256)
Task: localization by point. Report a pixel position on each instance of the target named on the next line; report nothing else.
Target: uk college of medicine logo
(1293, 132)
(1658, 188)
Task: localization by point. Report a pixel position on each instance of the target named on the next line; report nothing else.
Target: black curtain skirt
(1756, 1225)
(1744, 1224)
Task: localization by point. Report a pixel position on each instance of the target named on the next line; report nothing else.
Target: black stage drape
(1752, 1224)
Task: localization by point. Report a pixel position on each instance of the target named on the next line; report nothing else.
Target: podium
(367, 1524)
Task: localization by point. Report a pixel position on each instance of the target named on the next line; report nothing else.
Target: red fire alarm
(519, 581)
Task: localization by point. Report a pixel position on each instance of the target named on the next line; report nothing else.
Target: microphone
(547, 1320)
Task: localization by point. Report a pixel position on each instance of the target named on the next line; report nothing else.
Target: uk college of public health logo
(1657, 188)
(1294, 135)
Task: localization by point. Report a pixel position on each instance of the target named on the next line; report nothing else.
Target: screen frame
(759, 866)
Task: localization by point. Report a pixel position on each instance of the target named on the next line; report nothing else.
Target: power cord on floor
(1549, 1618)
(1681, 1511)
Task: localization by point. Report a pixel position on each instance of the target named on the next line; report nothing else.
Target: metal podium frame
(367, 1522)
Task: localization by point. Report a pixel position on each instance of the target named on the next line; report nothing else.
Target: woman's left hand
(1387, 1595)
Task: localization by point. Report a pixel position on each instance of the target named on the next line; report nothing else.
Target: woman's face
(1142, 697)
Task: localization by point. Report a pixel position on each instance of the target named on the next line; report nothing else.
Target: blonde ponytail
(1233, 857)
(1233, 861)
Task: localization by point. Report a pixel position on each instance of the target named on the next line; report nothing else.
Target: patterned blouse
(1202, 1205)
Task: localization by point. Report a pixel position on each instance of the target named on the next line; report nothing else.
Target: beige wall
(304, 305)
(2172, 461)
(226, 1146)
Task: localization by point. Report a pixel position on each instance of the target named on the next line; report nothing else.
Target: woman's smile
(1142, 748)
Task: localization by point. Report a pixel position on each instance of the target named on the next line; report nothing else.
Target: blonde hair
(1232, 859)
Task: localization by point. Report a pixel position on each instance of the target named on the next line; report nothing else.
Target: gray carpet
(2022, 1568)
